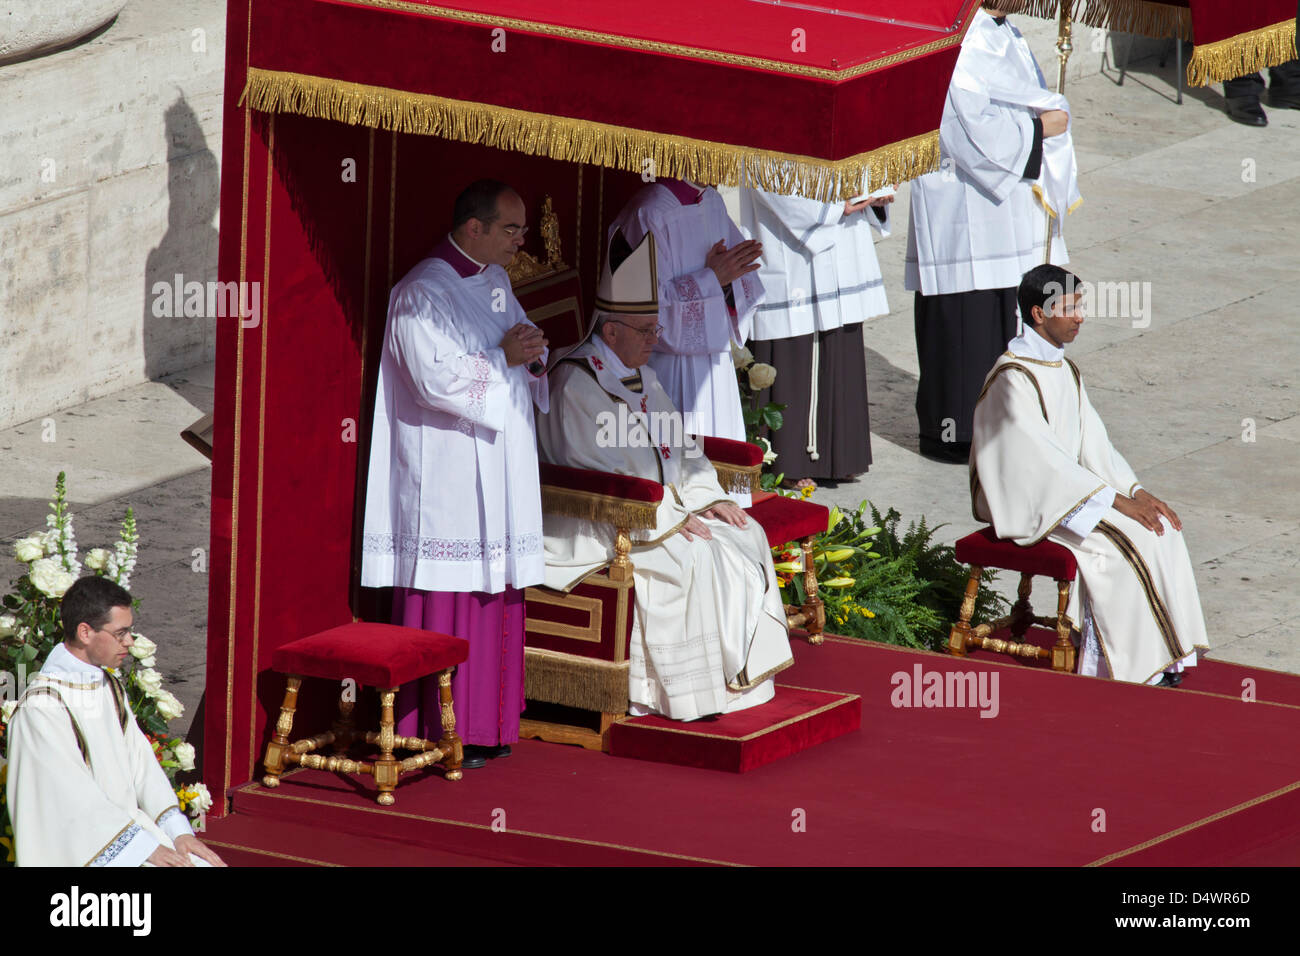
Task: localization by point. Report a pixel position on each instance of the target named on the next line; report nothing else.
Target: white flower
(150, 661)
(741, 357)
(184, 754)
(29, 549)
(142, 647)
(8, 624)
(7, 710)
(769, 456)
(202, 801)
(50, 579)
(149, 681)
(761, 376)
(169, 708)
(97, 559)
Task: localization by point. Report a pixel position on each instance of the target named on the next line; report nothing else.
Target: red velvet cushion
(376, 655)
(727, 451)
(601, 483)
(987, 550)
(788, 519)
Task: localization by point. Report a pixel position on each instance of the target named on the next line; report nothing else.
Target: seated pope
(709, 627)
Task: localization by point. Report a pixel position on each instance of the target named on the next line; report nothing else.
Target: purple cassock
(488, 689)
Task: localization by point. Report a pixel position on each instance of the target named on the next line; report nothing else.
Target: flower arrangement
(30, 627)
(751, 378)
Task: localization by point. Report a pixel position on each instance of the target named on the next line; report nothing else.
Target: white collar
(1030, 344)
(63, 663)
(481, 265)
(611, 358)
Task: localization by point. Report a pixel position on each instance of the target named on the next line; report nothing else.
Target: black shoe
(950, 452)
(1170, 679)
(1289, 100)
(472, 762)
(481, 753)
(1246, 110)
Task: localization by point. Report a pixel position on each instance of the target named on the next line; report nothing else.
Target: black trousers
(1283, 79)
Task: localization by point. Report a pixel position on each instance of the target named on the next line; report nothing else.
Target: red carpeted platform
(794, 720)
(1069, 771)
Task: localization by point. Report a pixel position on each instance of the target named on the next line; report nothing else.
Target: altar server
(707, 292)
(710, 628)
(1042, 466)
(1008, 179)
(822, 281)
(85, 788)
(453, 503)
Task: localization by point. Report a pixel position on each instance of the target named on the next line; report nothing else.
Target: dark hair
(91, 600)
(1041, 286)
(478, 201)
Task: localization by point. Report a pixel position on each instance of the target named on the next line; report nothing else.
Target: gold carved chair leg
(275, 750)
(344, 728)
(1063, 653)
(813, 609)
(386, 768)
(960, 633)
(450, 743)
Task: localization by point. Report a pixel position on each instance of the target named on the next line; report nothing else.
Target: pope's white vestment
(85, 788)
(453, 501)
(710, 628)
(693, 357)
(1042, 466)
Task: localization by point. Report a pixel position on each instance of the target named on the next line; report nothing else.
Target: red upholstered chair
(374, 655)
(577, 642)
(984, 549)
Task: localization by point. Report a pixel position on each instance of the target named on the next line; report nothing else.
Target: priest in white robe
(822, 282)
(1042, 466)
(1008, 179)
(453, 518)
(85, 788)
(707, 292)
(709, 630)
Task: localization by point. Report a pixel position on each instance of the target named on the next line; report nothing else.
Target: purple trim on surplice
(465, 266)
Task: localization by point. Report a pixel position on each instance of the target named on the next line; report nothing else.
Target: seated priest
(1042, 466)
(709, 629)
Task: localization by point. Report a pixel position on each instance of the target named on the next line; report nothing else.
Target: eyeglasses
(657, 331)
(513, 231)
(121, 636)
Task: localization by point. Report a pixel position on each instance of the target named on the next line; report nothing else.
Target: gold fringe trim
(737, 479)
(1243, 54)
(585, 141)
(589, 506)
(573, 681)
(1123, 16)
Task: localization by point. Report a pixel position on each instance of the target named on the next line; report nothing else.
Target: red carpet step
(796, 719)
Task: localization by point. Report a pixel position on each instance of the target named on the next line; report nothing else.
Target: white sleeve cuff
(131, 848)
(173, 823)
(1085, 517)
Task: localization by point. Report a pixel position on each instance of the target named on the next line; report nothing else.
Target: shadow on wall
(179, 322)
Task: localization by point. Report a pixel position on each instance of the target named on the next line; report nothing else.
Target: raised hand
(730, 264)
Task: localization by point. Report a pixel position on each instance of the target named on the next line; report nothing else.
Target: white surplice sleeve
(990, 143)
(61, 815)
(439, 371)
(1098, 455)
(814, 225)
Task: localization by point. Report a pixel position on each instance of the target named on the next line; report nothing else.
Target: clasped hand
(523, 343)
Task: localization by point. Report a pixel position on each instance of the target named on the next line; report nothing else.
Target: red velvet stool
(984, 549)
(790, 519)
(376, 655)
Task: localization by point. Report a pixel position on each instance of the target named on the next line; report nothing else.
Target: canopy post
(1063, 45)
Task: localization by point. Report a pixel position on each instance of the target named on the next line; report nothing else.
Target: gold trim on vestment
(109, 843)
(752, 682)
(660, 46)
(1025, 358)
(1242, 54)
(388, 811)
(279, 856)
(1158, 610)
(593, 506)
(586, 141)
(1002, 368)
(1195, 825)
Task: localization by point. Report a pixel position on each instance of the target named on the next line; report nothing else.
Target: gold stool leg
(450, 744)
(274, 762)
(813, 608)
(386, 769)
(960, 633)
(1063, 650)
(344, 728)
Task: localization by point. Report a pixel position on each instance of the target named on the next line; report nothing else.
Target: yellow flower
(869, 613)
(9, 849)
(806, 491)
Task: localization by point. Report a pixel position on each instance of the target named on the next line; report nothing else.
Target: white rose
(761, 376)
(29, 549)
(7, 710)
(149, 681)
(97, 559)
(741, 357)
(184, 754)
(8, 624)
(769, 456)
(148, 662)
(50, 579)
(142, 647)
(169, 708)
(202, 801)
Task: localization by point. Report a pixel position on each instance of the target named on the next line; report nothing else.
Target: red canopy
(1231, 38)
(796, 97)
